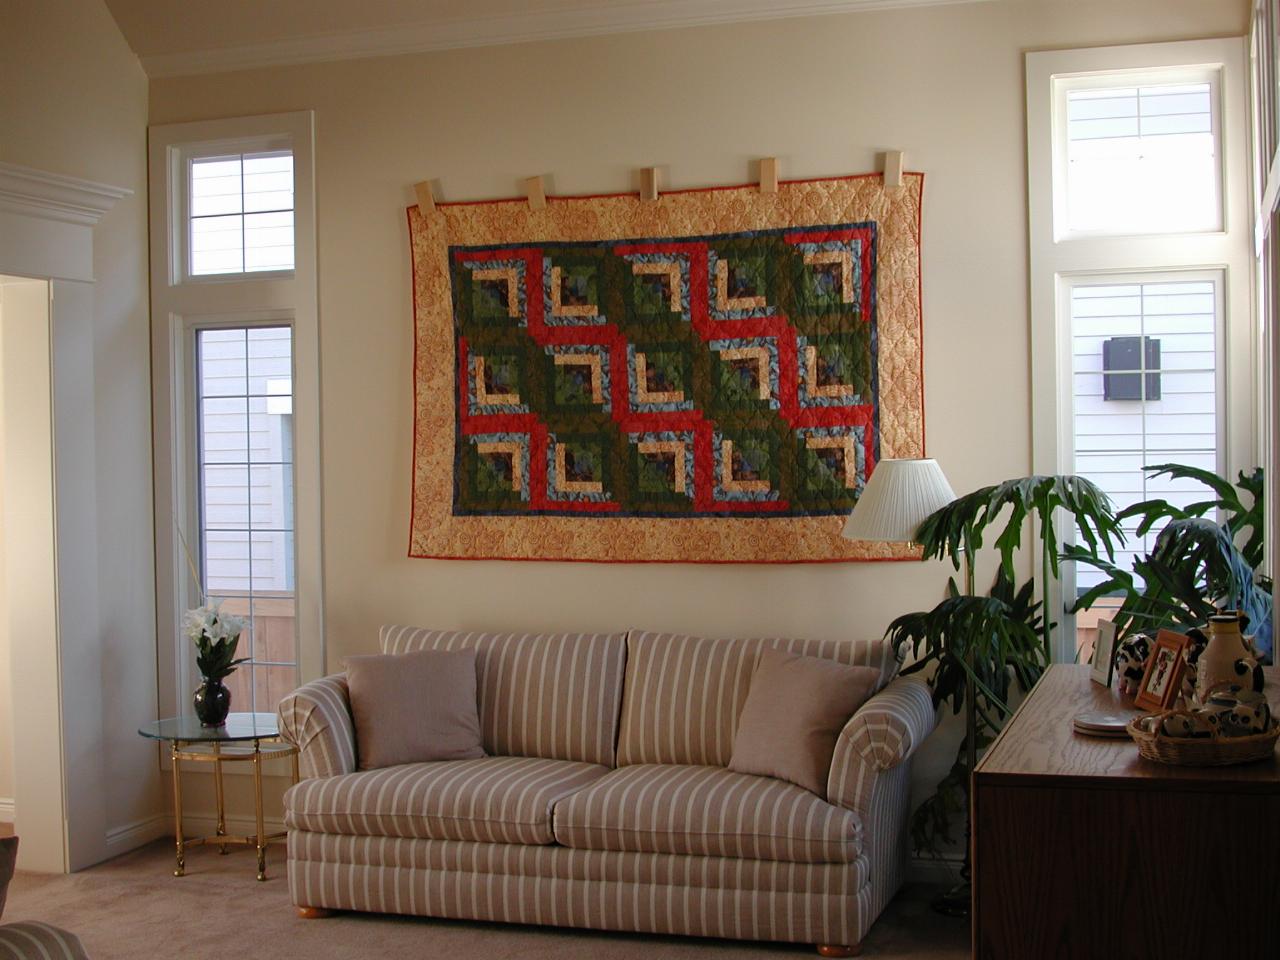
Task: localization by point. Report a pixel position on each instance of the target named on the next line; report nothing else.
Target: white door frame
(46, 233)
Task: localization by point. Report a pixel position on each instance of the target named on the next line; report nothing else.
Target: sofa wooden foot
(314, 913)
(838, 950)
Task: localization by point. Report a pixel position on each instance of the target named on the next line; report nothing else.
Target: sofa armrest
(884, 732)
(316, 718)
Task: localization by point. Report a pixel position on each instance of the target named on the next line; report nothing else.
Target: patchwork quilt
(709, 377)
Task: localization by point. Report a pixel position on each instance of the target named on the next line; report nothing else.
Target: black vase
(212, 701)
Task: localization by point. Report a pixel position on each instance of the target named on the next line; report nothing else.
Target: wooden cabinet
(1083, 850)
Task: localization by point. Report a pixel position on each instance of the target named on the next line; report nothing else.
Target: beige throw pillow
(414, 707)
(795, 710)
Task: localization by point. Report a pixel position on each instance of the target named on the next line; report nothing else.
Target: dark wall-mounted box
(1121, 360)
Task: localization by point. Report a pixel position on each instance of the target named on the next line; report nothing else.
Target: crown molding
(52, 196)
(595, 19)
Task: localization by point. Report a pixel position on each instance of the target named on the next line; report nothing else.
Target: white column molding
(52, 196)
(46, 234)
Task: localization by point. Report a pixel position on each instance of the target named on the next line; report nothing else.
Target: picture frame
(1162, 680)
(1104, 651)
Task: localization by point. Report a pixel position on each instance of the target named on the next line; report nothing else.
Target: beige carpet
(132, 907)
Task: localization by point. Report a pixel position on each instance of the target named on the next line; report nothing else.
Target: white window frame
(180, 306)
(1063, 83)
(179, 160)
(1059, 258)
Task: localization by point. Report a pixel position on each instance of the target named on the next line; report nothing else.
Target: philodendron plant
(979, 646)
(1205, 558)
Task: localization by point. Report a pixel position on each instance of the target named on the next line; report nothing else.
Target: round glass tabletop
(239, 726)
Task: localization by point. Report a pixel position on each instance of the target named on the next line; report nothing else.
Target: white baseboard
(939, 871)
(6, 810)
(130, 836)
(133, 835)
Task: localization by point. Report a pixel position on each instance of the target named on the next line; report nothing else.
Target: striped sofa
(605, 801)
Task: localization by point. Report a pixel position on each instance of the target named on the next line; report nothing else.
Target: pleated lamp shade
(897, 499)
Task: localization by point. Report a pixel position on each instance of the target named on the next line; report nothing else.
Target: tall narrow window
(245, 480)
(1144, 391)
(1140, 271)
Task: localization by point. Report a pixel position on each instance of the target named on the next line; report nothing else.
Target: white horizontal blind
(1142, 159)
(241, 213)
(246, 485)
(1115, 439)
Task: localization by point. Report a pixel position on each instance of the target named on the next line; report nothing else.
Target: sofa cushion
(540, 695)
(493, 799)
(796, 708)
(683, 695)
(706, 811)
(414, 707)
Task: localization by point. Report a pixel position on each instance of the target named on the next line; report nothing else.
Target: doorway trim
(46, 233)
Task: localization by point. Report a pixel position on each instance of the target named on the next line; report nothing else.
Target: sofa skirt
(600, 890)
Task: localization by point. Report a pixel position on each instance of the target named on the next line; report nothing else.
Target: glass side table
(244, 738)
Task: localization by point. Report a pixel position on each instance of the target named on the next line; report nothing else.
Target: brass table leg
(257, 809)
(217, 787)
(177, 812)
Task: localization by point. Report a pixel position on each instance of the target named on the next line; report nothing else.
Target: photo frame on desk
(1162, 680)
(1104, 653)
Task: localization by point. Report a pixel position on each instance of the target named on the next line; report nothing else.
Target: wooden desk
(1082, 849)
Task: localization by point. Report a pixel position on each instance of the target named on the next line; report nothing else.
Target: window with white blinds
(1142, 159)
(1144, 391)
(240, 213)
(1140, 267)
(244, 477)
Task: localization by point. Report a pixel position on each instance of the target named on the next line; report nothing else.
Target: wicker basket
(1215, 751)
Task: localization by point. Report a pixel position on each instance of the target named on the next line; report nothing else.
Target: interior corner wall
(824, 95)
(75, 102)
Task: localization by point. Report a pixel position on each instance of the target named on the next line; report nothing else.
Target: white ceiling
(205, 36)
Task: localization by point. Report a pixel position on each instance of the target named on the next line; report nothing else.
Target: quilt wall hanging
(707, 377)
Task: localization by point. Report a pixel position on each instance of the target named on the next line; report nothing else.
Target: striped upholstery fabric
(706, 811)
(646, 893)
(564, 863)
(869, 775)
(316, 718)
(888, 728)
(29, 940)
(493, 799)
(541, 695)
(683, 694)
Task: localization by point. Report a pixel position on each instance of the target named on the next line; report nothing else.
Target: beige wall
(75, 102)
(824, 95)
(6, 677)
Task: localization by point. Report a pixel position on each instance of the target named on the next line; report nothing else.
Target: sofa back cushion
(683, 695)
(554, 696)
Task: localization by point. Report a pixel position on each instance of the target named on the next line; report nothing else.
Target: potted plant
(1197, 565)
(216, 636)
(979, 646)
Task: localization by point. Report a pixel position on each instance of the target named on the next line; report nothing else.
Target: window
(1141, 159)
(236, 397)
(1144, 390)
(241, 213)
(1141, 318)
(244, 377)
